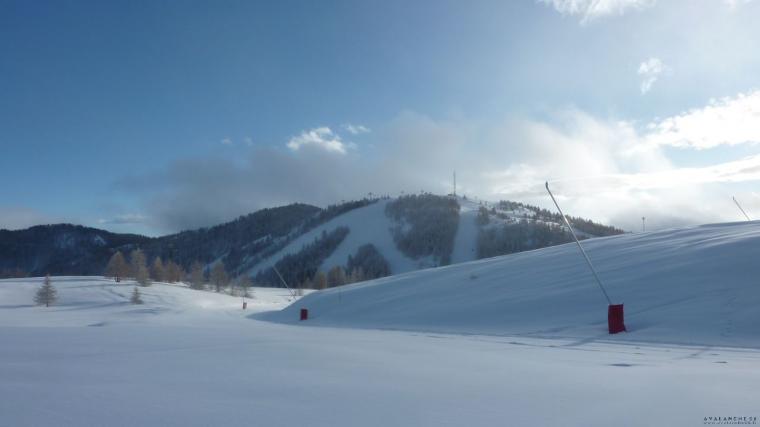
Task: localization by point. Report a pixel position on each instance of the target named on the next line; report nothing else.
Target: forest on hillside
(425, 225)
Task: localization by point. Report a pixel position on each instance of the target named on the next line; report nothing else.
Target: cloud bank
(727, 121)
(603, 168)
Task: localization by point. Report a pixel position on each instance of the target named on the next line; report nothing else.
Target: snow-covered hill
(372, 224)
(699, 285)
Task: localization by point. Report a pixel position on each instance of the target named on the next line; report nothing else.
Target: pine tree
(136, 299)
(196, 275)
(46, 294)
(117, 267)
(157, 270)
(219, 276)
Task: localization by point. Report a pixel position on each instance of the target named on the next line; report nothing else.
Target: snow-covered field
(516, 340)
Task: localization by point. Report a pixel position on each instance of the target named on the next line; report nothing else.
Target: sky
(154, 117)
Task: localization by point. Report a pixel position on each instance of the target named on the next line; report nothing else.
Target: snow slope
(697, 286)
(193, 358)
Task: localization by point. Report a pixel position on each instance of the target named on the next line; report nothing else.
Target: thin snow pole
(293, 294)
(740, 208)
(588, 260)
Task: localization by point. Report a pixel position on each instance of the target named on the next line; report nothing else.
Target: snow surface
(535, 353)
(693, 286)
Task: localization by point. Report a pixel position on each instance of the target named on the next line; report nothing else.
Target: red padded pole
(615, 318)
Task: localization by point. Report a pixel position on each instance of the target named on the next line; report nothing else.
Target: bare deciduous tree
(196, 275)
(157, 270)
(219, 276)
(117, 267)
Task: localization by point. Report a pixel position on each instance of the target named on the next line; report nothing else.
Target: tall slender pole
(588, 260)
(292, 293)
(740, 208)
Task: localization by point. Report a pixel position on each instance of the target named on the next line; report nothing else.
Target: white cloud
(650, 71)
(356, 129)
(592, 9)
(226, 141)
(248, 141)
(728, 121)
(321, 137)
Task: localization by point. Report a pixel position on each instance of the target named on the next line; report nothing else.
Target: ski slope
(695, 286)
(367, 224)
(370, 224)
(465, 242)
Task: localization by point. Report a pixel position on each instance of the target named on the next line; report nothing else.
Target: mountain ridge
(404, 230)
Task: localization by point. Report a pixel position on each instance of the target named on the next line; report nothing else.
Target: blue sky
(153, 117)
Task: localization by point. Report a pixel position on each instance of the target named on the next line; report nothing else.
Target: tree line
(199, 277)
(579, 224)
